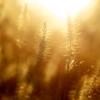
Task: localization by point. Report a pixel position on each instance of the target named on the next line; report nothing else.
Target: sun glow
(60, 8)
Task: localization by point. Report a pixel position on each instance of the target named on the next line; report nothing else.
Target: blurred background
(49, 50)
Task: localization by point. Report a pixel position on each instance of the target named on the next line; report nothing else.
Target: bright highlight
(60, 8)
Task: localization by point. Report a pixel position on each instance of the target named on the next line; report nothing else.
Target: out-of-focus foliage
(40, 62)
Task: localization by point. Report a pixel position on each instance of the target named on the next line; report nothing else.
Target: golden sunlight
(64, 8)
(76, 6)
(60, 8)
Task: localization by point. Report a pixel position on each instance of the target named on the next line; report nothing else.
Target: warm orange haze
(49, 50)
